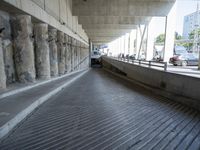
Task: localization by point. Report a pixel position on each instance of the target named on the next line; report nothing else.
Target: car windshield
(96, 53)
(180, 50)
(190, 56)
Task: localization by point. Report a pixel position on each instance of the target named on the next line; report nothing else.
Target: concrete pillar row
(53, 52)
(61, 53)
(23, 48)
(42, 51)
(2, 68)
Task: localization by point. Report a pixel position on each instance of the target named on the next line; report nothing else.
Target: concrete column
(53, 53)
(169, 33)
(61, 53)
(150, 39)
(79, 58)
(138, 41)
(2, 69)
(23, 48)
(73, 54)
(90, 51)
(7, 46)
(8, 61)
(66, 52)
(42, 51)
(69, 57)
(77, 51)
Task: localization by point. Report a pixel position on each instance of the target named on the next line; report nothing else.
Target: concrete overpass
(50, 98)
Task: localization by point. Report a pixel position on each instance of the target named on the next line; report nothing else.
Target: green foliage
(191, 35)
(160, 38)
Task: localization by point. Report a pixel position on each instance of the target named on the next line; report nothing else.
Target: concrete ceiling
(106, 20)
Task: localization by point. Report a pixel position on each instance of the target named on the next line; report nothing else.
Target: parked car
(96, 57)
(132, 57)
(179, 50)
(185, 59)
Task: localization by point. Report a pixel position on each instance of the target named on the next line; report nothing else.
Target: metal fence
(145, 63)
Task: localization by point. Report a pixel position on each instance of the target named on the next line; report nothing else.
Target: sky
(184, 7)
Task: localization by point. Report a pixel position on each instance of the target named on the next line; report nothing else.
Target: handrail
(144, 62)
(80, 62)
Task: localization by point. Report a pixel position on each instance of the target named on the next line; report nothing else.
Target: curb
(13, 92)
(6, 128)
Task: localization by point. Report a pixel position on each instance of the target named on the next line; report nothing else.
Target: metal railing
(144, 63)
(84, 59)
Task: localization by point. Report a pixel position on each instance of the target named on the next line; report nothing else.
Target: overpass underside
(50, 99)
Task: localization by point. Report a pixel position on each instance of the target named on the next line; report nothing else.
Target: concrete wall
(56, 13)
(184, 89)
(23, 61)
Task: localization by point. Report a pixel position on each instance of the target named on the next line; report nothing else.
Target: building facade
(190, 22)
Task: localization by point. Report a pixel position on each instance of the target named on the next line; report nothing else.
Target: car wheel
(175, 64)
(184, 63)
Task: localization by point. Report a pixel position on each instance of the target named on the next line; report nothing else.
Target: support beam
(24, 52)
(121, 20)
(121, 8)
(107, 31)
(169, 33)
(105, 35)
(42, 51)
(150, 40)
(142, 40)
(108, 26)
(103, 38)
(53, 52)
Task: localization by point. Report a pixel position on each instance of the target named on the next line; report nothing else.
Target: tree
(191, 34)
(160, 38)
(177, 36)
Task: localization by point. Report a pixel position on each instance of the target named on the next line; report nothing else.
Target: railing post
(149, 64)
(165, 67)
(139, 62)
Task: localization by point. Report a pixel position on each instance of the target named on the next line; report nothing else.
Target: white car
(96, 57)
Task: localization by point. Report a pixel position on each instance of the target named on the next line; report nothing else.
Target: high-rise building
(190, 22)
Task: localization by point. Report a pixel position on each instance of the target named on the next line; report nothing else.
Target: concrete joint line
(10, 93)
(6, 128)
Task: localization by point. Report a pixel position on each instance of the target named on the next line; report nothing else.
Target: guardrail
(145, 63)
